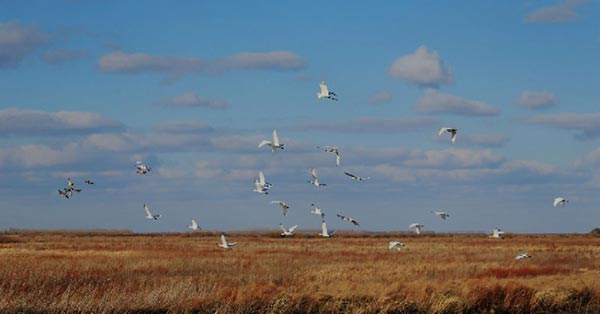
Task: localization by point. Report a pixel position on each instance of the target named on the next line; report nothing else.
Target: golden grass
(171, 273)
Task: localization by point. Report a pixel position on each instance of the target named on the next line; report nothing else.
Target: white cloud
(370, 125)
(423, 68)
(436, 102)
(175, 67)
(565, 11)
(36, 122)
(452, 158)
(476, 140)
(587, 123)
(17, 41)
(190, 99)
(536, 100)
(380, 98)
(35, 156)
(183, 126)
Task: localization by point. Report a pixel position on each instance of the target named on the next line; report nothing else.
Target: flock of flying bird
(261, 186)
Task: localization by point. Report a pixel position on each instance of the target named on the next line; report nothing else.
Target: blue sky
(191, 88)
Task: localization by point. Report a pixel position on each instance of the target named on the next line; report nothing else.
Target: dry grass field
(185, 273)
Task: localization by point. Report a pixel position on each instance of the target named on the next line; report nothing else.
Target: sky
(191, 88)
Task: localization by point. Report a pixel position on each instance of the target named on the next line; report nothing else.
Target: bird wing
(392, 245)
(261, 177)
(453, 139)
(441, 131)
(337, 159)
(313, 173)
(324, 90)
(223, 240)
(282, 228)
(349, 174)
(194, 224)
(275, 138)
(558, 201)
(148, 213)
(263, 143)
(257, 185)
(285, 210)
(293, 228)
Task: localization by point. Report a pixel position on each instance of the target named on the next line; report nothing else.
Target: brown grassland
(58, 272)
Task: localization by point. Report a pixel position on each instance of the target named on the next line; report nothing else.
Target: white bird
(325, 93)
(142, 168)
(259, 188)
(335, 150)
(289, 232)
(497, 234)
(442, 215)
(560, 201)
(263, 182)
(317, 211)
(283, 206)
(149, 214)
(275, 145)
(324, 233)
(396, 244)
(355, 177)
(194, 225)
(417, 227)
(315, 178)
(349, 219)
(70, 183)
(522, 256)
(452, 131)
(224, 244)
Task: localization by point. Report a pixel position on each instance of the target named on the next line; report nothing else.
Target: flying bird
(522, 256)
(497, 234)
(315, 178)
(317, 211)
(324, 233)
(349, 219)
(194, 226)
(417, 227)
(70, 183)
(288, 232)
(396, 244)
(263, 182)
(325, 93)
(275, 145)
(88, 182)
(149, 215)
(142, 168)
(335, 150)
(560, 201)
(224, 244)
(259, 188)
(355, 177)
(65, 192)
(452, 131)
(283, 206)
(442, 215)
